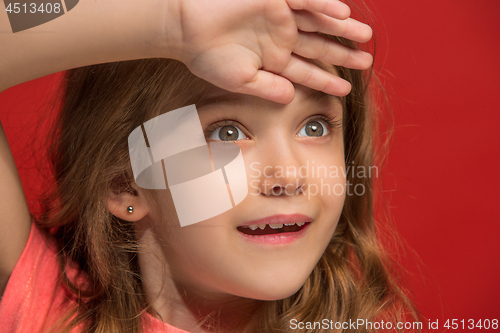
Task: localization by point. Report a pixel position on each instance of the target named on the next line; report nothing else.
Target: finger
(307, 74)
(269, 86)
(315, 46)
(350, 28)
(332, 8)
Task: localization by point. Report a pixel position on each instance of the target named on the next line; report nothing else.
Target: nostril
(301, 189)
(278, 190)
(290, 189)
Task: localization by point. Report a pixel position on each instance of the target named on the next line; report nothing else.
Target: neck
(196, 315)
(186, 306)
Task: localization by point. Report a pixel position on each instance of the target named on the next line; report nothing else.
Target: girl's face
(294, 159)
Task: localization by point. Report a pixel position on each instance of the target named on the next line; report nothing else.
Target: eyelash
(210, 129)
(330, 122)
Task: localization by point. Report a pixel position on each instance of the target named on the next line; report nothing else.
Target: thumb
(269, 86)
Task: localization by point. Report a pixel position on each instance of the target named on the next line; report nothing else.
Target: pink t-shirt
(34, 294)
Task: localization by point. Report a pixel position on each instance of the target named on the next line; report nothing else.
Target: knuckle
(294, 4)
(344, 28)
(272, 90)
(308, 77)
(323, 23)
(325, 49)
(329, 85)
(306, 4)
(347, 58)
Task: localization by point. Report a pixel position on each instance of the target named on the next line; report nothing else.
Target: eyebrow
(231, 99)
(318, 95)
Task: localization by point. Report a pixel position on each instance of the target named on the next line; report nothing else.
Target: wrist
(134, 29)
(166, 32)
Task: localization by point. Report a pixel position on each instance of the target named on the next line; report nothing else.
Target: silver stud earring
(130, 209)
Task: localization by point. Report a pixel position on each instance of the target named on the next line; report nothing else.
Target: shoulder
(33, 290)
(15, 218)
(155, 325)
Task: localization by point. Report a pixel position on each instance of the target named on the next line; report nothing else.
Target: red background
(440, 62)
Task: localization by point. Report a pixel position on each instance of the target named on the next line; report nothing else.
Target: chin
(276, 295)
(273, 292)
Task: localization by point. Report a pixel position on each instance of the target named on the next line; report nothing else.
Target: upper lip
(280, 219)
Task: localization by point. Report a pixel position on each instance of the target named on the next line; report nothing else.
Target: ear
(118, 204)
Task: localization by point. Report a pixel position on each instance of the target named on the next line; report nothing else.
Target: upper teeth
(273, 226)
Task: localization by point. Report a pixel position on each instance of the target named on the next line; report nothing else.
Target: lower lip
(276, 239)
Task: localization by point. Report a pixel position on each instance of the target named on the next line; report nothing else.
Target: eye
(313, 128)
(227, 133)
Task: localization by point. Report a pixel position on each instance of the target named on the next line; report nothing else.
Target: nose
(280, 170)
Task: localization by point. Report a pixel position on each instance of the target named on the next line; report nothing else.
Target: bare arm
(14, 215)
(91, 33)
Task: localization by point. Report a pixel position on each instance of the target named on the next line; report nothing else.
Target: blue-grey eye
(227, 133)
(313, 128)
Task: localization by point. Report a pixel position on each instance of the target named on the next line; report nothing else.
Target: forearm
(93, 32)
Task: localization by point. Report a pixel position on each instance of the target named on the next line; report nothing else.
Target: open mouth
(269, 229)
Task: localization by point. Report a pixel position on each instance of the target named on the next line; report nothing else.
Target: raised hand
(258, 47)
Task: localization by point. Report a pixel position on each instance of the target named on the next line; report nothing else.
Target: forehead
(303, 95)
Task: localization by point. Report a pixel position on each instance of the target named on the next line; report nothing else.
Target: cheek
(197, 253)
(198, 256)
(327, 182)
(326, 175)
(327, 187)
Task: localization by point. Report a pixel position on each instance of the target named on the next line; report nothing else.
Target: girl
(107, 255)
